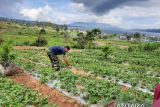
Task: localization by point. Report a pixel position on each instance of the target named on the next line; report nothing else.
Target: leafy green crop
(15, 95)
(130, 67)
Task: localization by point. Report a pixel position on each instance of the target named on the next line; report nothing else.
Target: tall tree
(81, 40)
(127, 36)
(57, 29)
(90, 37)
(97, 32)
(137, 36)
(65, 27)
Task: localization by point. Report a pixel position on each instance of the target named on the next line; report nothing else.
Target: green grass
(29, 34)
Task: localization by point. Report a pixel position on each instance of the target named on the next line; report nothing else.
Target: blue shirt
(57, 50)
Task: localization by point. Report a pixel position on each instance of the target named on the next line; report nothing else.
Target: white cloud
(124, 17)
(78, 6)
(36, 13)
(47, 13)
(137, 15)
(30, 13)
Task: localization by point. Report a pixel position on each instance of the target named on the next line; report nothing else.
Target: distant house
(123, 38)
(132, 39)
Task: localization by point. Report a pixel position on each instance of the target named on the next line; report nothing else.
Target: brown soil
(123, 88)
(122, 46)
(78, 72)
(54, 96)
(26, 47)
(100, 43)
(34, 47)
(75, 50)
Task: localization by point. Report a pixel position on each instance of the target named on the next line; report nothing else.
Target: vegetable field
(130, 77)
(15, 95)
(102, 70)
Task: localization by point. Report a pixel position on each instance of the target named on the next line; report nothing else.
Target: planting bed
(101, 78)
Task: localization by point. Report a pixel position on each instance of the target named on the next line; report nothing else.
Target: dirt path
(100, 43)
(82, 73)
(122, 46)
(54, 96)
(76, 50)
(27, 47)
(40, 48)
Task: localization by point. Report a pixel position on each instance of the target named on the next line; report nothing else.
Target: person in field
(53, 51)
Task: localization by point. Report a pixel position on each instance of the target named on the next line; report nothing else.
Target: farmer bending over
(53, 51)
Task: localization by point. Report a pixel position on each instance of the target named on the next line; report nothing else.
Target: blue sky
(122, 13)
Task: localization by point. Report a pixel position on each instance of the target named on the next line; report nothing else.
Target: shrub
(1, 40)
(40, 41)
(107, 51)
(157, 51)
(75, 39)
(42, 31)
(78, 46)
(144, 47)
(131, 48)
(104, 37)
(81, 41)
(26, 43)
(5, 53)
(151, 46)
(20, 33)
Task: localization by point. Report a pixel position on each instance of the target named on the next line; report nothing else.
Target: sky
(128, 14)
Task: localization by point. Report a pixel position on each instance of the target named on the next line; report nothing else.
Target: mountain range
(105, 28)
(110, 29)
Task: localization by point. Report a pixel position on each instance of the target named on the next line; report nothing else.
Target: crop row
(93, 91)
(92, 62)
(15, 95)
(132, 74)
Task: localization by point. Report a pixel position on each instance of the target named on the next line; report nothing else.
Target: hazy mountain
(149, 30)
(110, 29)
(91, 25)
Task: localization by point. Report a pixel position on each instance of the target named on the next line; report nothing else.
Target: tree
(1, 41)
(97, 32)
(65, 27)
(106, 51)
(42, 31)
(66, 35)
(6, 55)
(137, 36)
(90, 37)
(41, 41)
(127, 36)
(57, 29)
(81, 40)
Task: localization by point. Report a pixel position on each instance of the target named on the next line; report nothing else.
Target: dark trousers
(54, 60)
